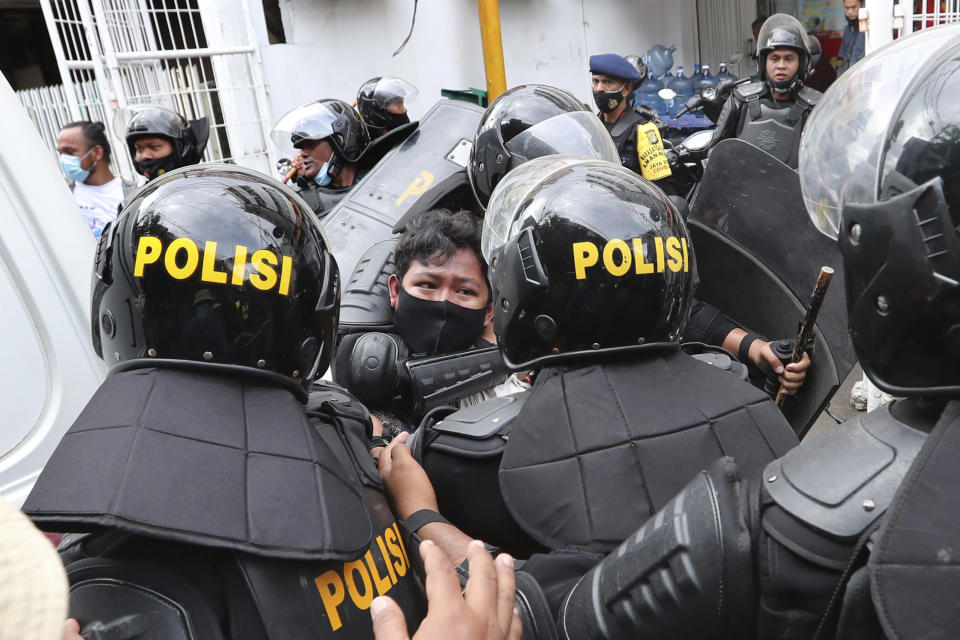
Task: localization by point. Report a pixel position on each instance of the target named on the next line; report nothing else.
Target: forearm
(451, 540)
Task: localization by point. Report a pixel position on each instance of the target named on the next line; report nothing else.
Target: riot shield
(439, 148)
(759, 255)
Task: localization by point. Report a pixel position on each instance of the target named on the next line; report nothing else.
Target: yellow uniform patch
(361, 580)
(621, 257)
(182, 259)
(653, 159)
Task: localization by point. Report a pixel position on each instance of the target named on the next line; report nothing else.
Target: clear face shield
(844, 152)
(503, 218)
(390, 91)
(579, 133)
(311, 121)
(148, 118)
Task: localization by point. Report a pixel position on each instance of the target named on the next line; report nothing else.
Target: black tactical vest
(774, 127)
(224, 507)
(597, 449)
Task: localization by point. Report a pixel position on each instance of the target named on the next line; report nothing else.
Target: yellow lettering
(611, 266)
(350, 572)
(393, 544)
(419, 186)
(585, 255)
(285, 270)
(386, 557)
(330, 586)
(382, 584)
(403, 546)
(148, 252)
(686, 256)
(239, 265)
(638, 258)
(658, 245)
(266, 276)
(170, 258)
(676, 257)
(209, 272)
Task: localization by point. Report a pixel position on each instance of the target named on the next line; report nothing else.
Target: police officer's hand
(404, 481)
(71, 630)
(791, 377)
(483, 612)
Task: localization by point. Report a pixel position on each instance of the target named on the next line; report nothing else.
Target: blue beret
(610, 64)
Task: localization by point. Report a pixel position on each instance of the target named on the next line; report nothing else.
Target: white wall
(334, 45)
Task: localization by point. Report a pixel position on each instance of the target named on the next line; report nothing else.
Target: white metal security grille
(198, 57)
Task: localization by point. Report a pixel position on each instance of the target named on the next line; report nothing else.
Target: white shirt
(99, 204)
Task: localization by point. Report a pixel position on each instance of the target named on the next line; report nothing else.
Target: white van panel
(48, 369)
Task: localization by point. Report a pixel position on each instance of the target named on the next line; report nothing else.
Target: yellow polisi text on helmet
(182, 258)
(620, 257)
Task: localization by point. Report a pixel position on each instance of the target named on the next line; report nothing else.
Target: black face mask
(607, 101)
(436, 327)
(394, 120)
(154, 167)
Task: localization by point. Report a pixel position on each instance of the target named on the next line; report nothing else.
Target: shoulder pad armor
(841, 481)
(478, 431)
(808, 96)
(750, 90)
(483, 420)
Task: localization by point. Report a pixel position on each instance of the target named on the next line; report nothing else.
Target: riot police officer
(382, 104)
(222, 506)
(634, 130)
(329, 138)
(160, 140)
(771, 112)
(849, 535)
(591, 268)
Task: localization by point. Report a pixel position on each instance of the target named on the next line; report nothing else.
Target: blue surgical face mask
(70, 165)
(323, 176)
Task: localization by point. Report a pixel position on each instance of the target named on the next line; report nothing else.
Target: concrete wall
(334, 45)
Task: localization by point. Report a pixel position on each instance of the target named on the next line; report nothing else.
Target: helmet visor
(503, 215)
(390, 90)
(782, 30)
(146, 119)
(580, 133)
(312, 121)
(854, 116)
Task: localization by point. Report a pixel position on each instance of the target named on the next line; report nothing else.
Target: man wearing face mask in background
(330, 138)
(634, 131)
(85, 161)
(160, 140)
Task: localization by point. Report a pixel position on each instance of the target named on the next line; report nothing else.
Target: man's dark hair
(758, 22)
(94, 133)
(434, 236)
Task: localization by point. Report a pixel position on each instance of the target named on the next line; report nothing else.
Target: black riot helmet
(584, 257)
(778, 31)
(188, 138)
(524, 123)
(219, 265)
(378, 98)
(331, 120)
(880, 171)
(640, 66)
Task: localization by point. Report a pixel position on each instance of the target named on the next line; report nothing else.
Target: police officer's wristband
(743, 352)
(421, 518)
